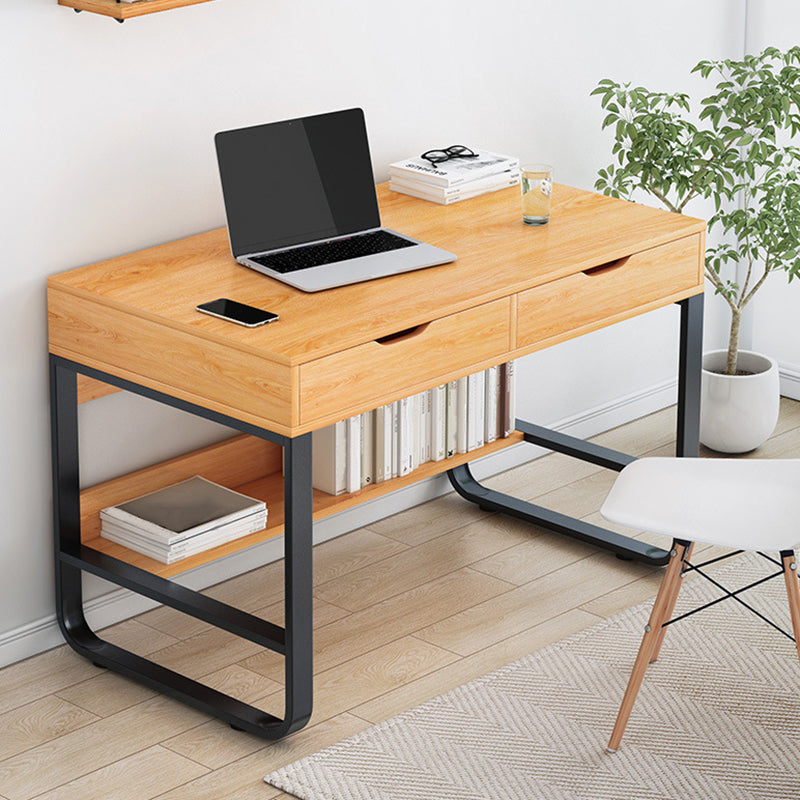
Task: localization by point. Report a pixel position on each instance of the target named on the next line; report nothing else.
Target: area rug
(718, 718)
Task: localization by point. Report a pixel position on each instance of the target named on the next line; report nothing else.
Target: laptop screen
(296, 181)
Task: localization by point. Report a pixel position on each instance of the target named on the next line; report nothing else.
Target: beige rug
(718, 717)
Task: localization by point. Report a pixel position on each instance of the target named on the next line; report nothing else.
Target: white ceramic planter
(738, 412)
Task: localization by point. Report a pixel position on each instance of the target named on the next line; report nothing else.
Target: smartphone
(237, 312)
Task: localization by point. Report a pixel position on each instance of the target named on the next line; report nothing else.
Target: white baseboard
(120, 604)
(790, 380)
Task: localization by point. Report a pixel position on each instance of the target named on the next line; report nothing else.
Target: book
(353, 482)
(455, 170)
(461, 415)
(508, 412)
(405, 443)
(183, 510)
(476, 410)
(424, 427)
(395, 438)
(491, 393)
(329, 458)
(451, 423)
(383, 443)
(367, 448)
(454, 194)
(438, 422)
(416, 430)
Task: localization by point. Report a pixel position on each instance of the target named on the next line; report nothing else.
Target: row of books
(182, 519)
(394, 439)
(455, 179)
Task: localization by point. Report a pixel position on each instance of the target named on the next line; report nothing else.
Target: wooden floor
(406, 608)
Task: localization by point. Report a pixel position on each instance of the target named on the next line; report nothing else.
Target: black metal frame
(687, 444)
(727, 594)
(293, 641)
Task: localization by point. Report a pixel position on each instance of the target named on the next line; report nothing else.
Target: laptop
(301, 206)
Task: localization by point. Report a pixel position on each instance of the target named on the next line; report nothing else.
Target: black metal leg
(689, 371)
(72, 558)
(688, 425)
(298, 580)
(465, 484)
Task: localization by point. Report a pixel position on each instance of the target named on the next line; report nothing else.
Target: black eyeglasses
(454, 151)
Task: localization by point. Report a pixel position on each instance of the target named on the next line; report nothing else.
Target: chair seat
(744, 504)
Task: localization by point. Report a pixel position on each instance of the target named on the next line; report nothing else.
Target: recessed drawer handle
(402, 336)
(604, 268)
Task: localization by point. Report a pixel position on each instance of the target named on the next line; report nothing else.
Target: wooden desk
(131, 323)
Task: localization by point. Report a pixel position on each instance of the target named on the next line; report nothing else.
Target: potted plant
(739, 153)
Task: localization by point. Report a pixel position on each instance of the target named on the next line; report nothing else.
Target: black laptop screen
(297, 181)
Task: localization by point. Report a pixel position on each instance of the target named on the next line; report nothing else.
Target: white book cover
(488, 183)
(475, 410)
(461, 415)
(438, 423)
(183, 509)
(395, 438)
(424, 427)
(405, 426)
(509, 412)
(499, 391)
(416, 433)
(451, 423)
(455, 170)
(383, 443)
(329, 458)
(491, 393)
(367, 448)
(353, 454)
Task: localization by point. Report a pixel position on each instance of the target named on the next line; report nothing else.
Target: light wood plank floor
(406, 608)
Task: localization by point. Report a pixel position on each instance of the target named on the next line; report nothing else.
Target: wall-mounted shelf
(122, 11)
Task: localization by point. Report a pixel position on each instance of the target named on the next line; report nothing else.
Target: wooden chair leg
(669, 610)
(662, 609)
(792, 592)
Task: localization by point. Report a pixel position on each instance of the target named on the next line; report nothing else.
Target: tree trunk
(733, 342)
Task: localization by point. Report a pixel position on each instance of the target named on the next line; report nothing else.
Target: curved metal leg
(465, 484)
(72, 558)
(688, 423)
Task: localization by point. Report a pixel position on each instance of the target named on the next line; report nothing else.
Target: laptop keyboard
(315, 255)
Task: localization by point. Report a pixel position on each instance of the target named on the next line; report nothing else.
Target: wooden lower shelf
(123, 11)
(225, 463)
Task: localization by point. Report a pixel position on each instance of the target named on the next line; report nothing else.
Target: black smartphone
(237, 312)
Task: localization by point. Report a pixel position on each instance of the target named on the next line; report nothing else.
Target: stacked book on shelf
(455, 179)
(182, 520)
(394, 439)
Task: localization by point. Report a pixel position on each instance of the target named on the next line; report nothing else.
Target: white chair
(743, 504)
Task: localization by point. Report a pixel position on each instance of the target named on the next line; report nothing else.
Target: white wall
(107, 148)
(774, 320)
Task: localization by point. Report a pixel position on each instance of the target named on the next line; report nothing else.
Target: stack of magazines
(182, 520)
(455, 179)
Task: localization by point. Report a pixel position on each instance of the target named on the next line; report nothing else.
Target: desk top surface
(497, 256)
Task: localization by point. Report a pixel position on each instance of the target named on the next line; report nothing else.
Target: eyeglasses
(454, 151)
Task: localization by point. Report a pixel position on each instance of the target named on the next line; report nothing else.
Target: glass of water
(537, 185)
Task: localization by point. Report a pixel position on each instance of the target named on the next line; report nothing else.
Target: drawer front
(587, 300)
(170, 360)
(377, 372)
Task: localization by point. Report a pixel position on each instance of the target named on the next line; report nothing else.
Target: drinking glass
(537, 184)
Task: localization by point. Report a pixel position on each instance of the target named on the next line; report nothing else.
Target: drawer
(397, 366)
(602, 295)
